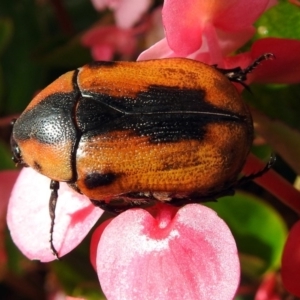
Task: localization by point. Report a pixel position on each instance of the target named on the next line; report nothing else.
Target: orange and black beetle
(132, 133)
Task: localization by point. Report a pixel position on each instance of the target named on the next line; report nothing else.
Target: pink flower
(268, 288)
(106, 41)
(224, 25)
(29, 221)
(206, 31)
(127, 12)
(162, 254)
(168, 254)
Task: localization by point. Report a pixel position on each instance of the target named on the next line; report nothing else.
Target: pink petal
(159, 50)
(99, 4)
(241, 13)
(127, 12)
(162, 50)
(268, 288)
(105, 41)
(229, 42)
(188, 22)
(130, 12)
(190, 254)
(242, 60)
(102, 52)
(100, 34)
(183, 25)
(29, 221)
(95, 241)
(290, 270)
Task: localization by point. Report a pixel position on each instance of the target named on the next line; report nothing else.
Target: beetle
(127, 134)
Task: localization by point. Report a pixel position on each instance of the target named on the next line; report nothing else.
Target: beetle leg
(113, 209)
(119, 208)
(248, 178)
(230, 191)
(54, 186)
(201, 199)
(239, 75)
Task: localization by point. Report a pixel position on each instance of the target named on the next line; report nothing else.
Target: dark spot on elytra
(37, 166)
(94, 180)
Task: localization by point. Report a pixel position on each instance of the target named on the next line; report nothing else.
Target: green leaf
(5, 161)
(6, 30)
(77, 276)
(1, 90)
(277, 101)
(22, 76)
(259, 230)
(27, 69)
(15, 259)
(282, 20)
(60, 52)
(264, 152)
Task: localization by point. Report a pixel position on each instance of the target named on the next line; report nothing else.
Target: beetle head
(15, 149)
(44, 136)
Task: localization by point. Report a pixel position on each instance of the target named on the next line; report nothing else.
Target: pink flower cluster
(107, 41)
(163, 253)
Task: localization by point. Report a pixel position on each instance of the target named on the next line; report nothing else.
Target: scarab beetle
(127, 134)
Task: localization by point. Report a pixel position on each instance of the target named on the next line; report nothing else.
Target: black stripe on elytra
(162, 99)
(164, 114)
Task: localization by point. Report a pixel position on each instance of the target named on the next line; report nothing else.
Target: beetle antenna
(267, 167)
(54, 186)
(239, 75)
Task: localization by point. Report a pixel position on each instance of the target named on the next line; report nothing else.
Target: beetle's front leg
(240, 75)
(54, 186)
(248, 178)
